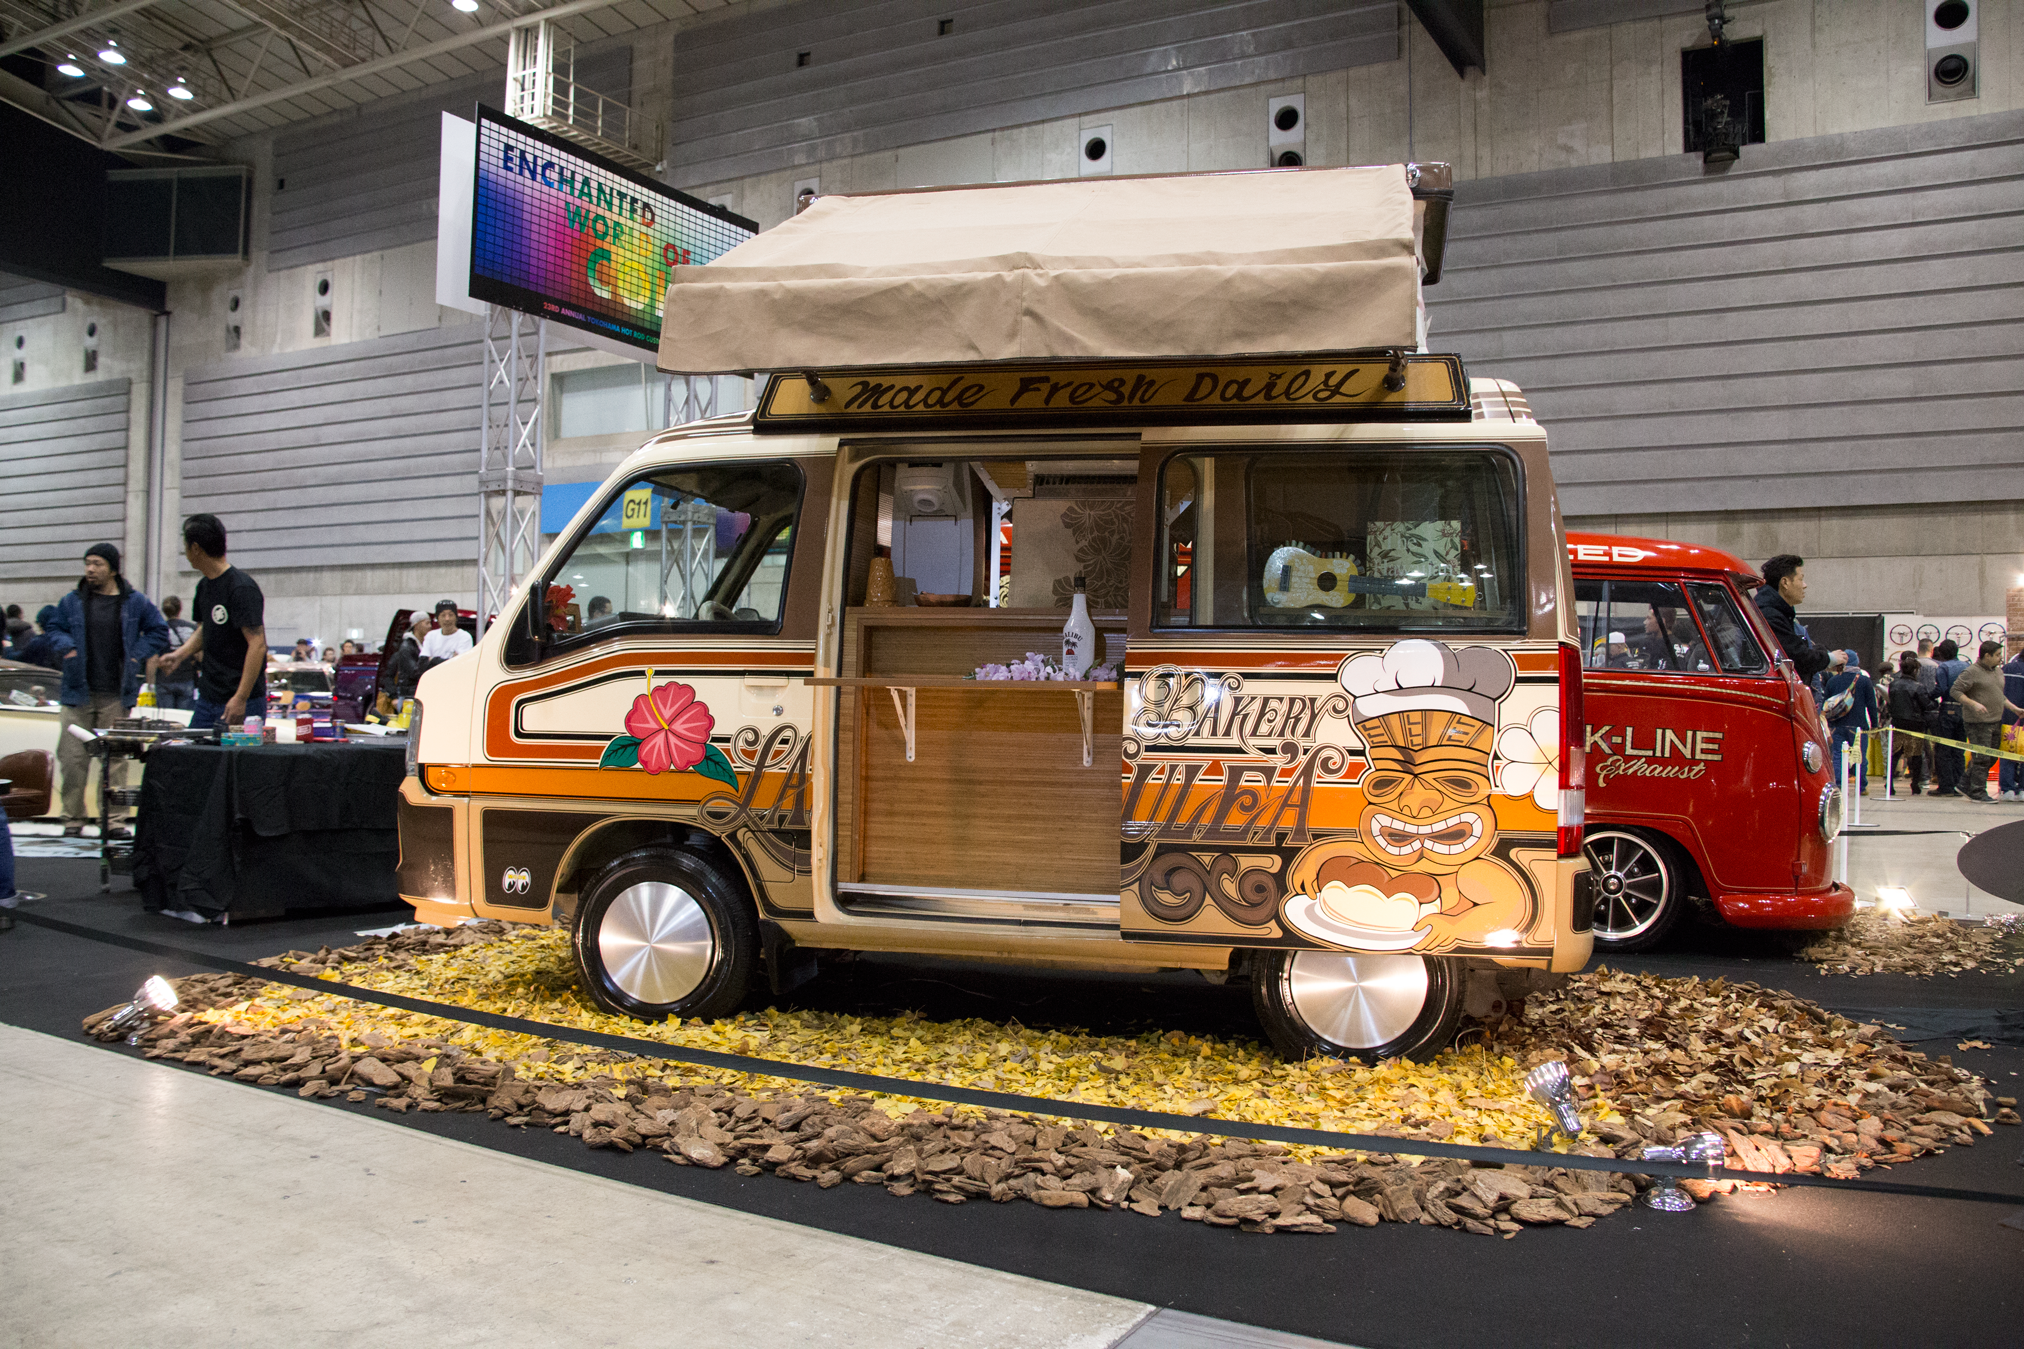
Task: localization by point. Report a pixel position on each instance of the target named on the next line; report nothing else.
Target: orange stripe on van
(500, 742)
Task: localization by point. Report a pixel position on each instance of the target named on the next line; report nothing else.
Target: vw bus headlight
(414, 735)
(1810, 755)
(1831, 814)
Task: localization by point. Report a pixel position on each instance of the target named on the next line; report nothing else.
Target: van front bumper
(1796, 910)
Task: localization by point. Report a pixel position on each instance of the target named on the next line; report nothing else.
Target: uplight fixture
(1697, 1149)
(139, 103)
(70, 68)
(1551, 1086)
(112, 55)
(1894, 902)
(181, 92)
(154, 996)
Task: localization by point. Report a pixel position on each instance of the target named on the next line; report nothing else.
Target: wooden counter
(997, 797)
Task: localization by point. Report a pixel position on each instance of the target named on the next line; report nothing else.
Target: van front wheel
(1367, 1006)
(662, 933)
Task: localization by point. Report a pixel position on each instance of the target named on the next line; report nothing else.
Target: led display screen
(563, 233)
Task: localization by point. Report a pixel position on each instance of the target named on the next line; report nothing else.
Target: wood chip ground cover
(1792, 1088)
(1923, 944)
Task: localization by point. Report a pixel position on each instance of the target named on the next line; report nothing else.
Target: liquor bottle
(1078, 636)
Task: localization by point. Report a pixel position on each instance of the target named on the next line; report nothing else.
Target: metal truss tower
(509, 458)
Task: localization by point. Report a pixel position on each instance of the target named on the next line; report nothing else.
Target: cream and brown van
(743, 712)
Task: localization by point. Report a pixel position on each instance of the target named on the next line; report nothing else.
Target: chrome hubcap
(1632, 883)
(655, 942)
(1357, 1001)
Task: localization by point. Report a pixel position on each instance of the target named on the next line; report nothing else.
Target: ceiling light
(112, 55)
(180, 92)
(71, 69)
(139, 103)
(464, 6)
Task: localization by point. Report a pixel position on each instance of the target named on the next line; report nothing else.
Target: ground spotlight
(154, 996)
(1699, 1149)
(1550, 1085)
(1894, 902)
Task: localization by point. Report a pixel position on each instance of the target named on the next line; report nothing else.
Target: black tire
(663, 933)
(1346, 1005)
(1640, 888)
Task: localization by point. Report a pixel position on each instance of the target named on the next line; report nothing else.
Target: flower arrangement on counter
(1038, 667)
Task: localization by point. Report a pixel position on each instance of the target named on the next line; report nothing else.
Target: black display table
(255, 831)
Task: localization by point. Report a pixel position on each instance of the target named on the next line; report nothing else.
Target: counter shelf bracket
(904, 710)
(1085, 703)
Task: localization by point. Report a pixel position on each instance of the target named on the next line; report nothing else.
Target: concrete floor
(145, 1205)
(1914, 846)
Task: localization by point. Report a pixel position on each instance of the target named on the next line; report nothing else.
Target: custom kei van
(1708, 780)
(743, 711)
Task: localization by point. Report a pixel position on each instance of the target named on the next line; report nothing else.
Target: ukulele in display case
(1298, 579)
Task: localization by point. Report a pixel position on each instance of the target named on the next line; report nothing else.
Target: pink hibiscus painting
(672, 727)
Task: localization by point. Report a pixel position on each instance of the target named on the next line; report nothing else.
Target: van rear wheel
(1640, 889)
(1346, 1004)
(663, 933)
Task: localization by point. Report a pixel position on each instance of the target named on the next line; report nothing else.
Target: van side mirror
(537, 614)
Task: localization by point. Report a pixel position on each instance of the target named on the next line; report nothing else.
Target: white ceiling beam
(58, 31)
(350, 73)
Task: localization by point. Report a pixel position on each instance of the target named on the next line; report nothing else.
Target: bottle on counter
(1078, 636)
(145, 704)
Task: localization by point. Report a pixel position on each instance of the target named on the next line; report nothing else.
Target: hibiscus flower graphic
(668, 731)
(1531, 759)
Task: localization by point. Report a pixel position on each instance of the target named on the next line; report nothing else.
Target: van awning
(1205, 265)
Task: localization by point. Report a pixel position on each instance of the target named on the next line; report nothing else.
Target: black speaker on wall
(1953, 56)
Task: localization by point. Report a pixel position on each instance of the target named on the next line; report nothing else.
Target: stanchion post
(1889, 763)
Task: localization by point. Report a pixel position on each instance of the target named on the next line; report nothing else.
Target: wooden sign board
(1329, 387)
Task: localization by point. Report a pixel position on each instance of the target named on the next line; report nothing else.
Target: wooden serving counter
(996, 796)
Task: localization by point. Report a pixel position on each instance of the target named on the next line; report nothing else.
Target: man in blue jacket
(104, 632)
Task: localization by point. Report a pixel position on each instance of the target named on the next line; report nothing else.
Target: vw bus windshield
(1378, 540)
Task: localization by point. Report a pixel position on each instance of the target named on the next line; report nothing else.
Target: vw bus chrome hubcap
(1631, 884)
(1357, 1001)
(655, 942)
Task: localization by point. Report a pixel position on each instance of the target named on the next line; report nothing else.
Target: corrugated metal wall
(1834, 321)
(63, 463)
(23, 299)
(879, 75)
(364, 452)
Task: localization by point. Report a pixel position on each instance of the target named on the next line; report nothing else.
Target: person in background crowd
(1979, 690)
(106, 632)
(1929, 665)
(408, 660)
(1848, 717)
(448, 640)
(19, 631)
(599, 613)
(178, 690)
(305, 650)
(1911, 709)
(41, 648)
(1784, 588)
(231, 635)
(2010, 772)
(347, 648)
(1949, 763)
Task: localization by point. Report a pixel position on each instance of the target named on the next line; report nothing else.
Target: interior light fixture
(154, 996)
(181, 92)
(1551, 1086)
(71, 68)
(112, 55)
(139, 103)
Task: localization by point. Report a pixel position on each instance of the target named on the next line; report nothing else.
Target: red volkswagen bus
(1708, 779)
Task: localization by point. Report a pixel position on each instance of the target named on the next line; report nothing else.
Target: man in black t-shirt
(231, 633)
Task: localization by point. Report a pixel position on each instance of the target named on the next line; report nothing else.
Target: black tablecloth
(257, 830)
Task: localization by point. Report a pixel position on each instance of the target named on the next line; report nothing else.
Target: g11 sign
(560, 232)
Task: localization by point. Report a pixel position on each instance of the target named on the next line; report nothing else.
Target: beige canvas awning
(1206, 265)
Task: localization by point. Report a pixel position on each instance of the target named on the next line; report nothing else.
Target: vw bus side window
(1735, 646)
(1341, 539)
(1643, 625)
(679, 549)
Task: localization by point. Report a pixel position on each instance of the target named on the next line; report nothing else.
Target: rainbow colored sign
(563, 233)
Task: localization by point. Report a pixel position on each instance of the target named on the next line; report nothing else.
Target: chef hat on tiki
(1422, 676)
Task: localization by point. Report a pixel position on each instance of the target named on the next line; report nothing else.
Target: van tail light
(1573, 752)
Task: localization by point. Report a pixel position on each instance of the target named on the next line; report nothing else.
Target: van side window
(1350, 540)
(679, 549)
(1735, 646)
(1589, 620)
(1645, 625)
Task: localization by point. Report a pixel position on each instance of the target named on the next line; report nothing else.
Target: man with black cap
(448, 640)
(105, 632)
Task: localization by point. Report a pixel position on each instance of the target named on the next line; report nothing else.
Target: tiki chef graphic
(1418, 874)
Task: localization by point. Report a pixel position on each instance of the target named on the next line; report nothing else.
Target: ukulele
(1298, 579)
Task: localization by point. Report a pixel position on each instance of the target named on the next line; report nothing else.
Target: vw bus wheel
(662, 933)
(1640, 889)
(1352, 1005)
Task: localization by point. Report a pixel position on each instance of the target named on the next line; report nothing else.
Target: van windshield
(1379, 539)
